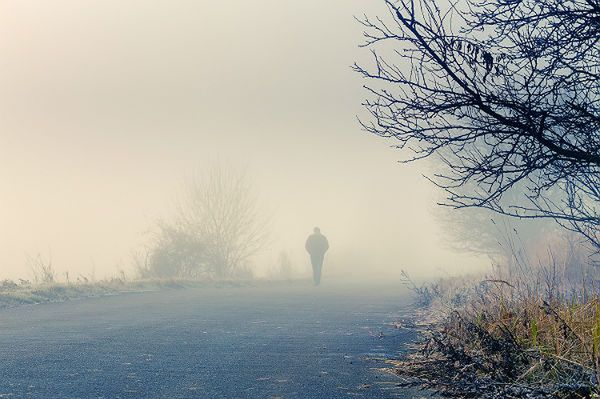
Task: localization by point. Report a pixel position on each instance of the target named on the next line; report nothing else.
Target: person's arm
(326, 244)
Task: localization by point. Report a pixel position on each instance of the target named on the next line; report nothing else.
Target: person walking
(316, 245)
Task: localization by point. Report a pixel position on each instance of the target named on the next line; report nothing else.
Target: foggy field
(289, 341)
(241, 199)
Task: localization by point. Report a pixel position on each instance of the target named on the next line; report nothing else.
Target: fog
(107, 107)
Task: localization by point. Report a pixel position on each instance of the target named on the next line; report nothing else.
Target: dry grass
(15, 294)
(24, 292)
(533, 333)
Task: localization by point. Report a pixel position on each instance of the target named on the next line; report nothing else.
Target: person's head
(317, 230)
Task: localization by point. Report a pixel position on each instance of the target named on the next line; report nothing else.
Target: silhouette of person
(316, 245)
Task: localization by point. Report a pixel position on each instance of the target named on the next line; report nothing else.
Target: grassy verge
(534, 334)
(13, 294)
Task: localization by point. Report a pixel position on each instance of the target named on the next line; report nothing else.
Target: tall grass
(524, 332)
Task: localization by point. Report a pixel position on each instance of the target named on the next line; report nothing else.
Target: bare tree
(505, 92)
(218, 227)
(222, 207)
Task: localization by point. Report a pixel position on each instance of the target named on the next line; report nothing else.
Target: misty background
(107, 109)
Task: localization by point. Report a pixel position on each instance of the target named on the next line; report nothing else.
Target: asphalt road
(281, 341)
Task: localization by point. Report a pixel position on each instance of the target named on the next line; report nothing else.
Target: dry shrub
(528, 332)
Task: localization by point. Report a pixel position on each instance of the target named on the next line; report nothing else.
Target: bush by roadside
(534, 333)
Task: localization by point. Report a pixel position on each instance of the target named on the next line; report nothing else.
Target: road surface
(280, 341)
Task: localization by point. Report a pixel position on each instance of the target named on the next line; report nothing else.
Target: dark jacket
(317, 244)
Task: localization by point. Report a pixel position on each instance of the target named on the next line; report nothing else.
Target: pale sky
(107, 105)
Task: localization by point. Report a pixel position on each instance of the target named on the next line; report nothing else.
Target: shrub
(533, 333)
(177, 253)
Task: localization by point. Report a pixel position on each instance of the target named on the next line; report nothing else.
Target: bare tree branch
(505, 93)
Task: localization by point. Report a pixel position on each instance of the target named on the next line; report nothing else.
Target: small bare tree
(222, 208)
(218, 227)
(506, 93)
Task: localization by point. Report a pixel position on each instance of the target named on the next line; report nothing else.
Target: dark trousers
(317, 265)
